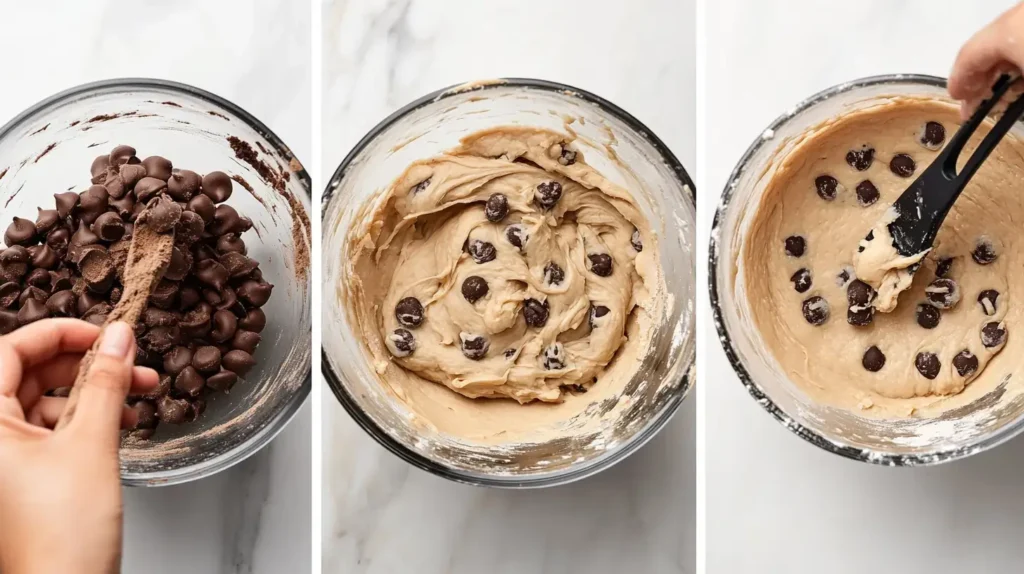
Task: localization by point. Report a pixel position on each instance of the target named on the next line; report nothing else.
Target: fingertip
(118, 340)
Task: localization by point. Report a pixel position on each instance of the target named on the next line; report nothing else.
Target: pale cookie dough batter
(944, 340)
(507, 267)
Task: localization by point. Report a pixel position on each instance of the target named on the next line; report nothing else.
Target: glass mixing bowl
(986, 422)
(664, 192)
(49, 148)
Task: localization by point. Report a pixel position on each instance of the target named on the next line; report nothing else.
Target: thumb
(102, 394)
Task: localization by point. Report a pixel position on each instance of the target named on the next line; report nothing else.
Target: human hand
(996, 49)
(60, 490)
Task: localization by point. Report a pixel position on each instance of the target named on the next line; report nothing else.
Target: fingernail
(117, 338)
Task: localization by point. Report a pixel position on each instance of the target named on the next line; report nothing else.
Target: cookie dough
(862, 327)
(507, 267)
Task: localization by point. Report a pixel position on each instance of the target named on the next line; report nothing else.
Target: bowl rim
(725, 338)
(265, 434)
(606, 459)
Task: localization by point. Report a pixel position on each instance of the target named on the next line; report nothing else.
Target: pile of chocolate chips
(202, 322)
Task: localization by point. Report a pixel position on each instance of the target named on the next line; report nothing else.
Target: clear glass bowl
(986, 422)
(435, 123)
(49, 149)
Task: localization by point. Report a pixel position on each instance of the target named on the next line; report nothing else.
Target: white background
(381, 515)
(774, 502)
(254, 518)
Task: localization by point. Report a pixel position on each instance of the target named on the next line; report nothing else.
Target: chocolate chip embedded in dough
(474, 347)
(873, 360)
(987, 299)
(255, 320)
(158, 167)
(636, 242)
(121, 154)
(860, 316)
(859, 293)
(482, 251)
(984, 252)
(600, 264)
(860, 159)
(554, 357)
(944, 293)
(815, 310)
(596, 312)
(928, 365)
(33, 310)
(933, 135)
(184, 184)
(420, 186)
(867, 193)
(509, 353)
(535, 312)
(401, 343)
(927, 315)
(965, 363)
(943, 266)
(993, 334)
(474, 288)
(801, 280)
(217, 185)
(409, 312)
(902, 165)
(109, 227)
(496, 207)
(827, 187)
(796, 245)
(518, 235)
(566, 156)
(202, 206)
(547, 194)
(172, 411)
(20, 232)
(553, 273)
(177, 359)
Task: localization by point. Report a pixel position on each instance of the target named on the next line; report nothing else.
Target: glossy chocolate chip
(238, 265)
(172, 411)
(99, 165)
(245, 341)
(184, 184)
(860, 159)
(867, 193)
(933, 135)
(196, 322)
(993, 335)
(965, 363)
(943, 266)
(795, 246)
(86, 301)
(554, 357)
(826, 186)
(231, 243)
(401, 343)
(474, 288)
(238, 362)
(226, 220)
(636, 242)
(518, 235)
(224, 326)
(188, 297)
(553, 274)
(873, 360)
(987, 299)
(535, 312)
(164, 295)
(547, 194)
(39, 278)
(20, 232)
(149, 187)
(596, 312)
(815, 310)
(145, 415)
(33, 310)
(46, 219)
(43, 256)
(212, 273)
(177, 359)
(189, 228)
(66, 203)
(944, 293)
(408, 312)
(109, 227)
(207, 359)
(217, 186)
(482, 251)
(204, 207)
(928, 365)
(58, 238)
(927, 316)
(121, 154)
(158, 167)
(222, 381)
(902, 165)
(32, 293)
(255, 320)
(179, 264)
(9, 293)
(255, 293)
(801, 280)
(474, 347)
(600, 264)
(92, 203)
(496, 208)
(984, 252)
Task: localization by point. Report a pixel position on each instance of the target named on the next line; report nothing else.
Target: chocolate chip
(860, 159)
(99, 165)
(108, 227)
(420, 186)
(189, 228)
(596, 312)
(172, 411)
(39, 278)
(20, 232)
(827, 186)
(66, 203)
(902, 165)
(58, 238)
(31, 311)
(238, 362)
(600, 264)
(156, 317)
(859, 293)
(518, 235)
(84, 236)
(801, 280)
(474, 288)
(860, 316)
(795, 246)
(943, 293)
(204, 207)
(255, 320)
(547, 194)
(928, 365)
(509, 353)
(9, 293)
(46, 219)
(222, 381)
(535, 312)
(130, 175)
(42, 256)
(496, 208)
(158, 167)
(566, 156)
(149, 187)
(474, 347)
(409, 312)
(245, 341)
(553, 274)
(984, 253)
(188, 296)
(162, 214)
(401, 343)
(212, 273)
(987, 299)
(179, 264)
(815, 310)
(8, 321)
(226, 220)
(164, 294)
(224, 326)
(184, 184)
(943, 266)
(966, 363)
(207, 360)
(933, 135)
(161, 339)
(993, 335)
(255, 293)
(32, 293)
(121, 154)
(14, 263)
(635, 241)
(92, 203)
(98, 270)
(554, 357)
(874, 359)
(188, 381)
(927, 316)
(196, 322)
(85, 302)
(145, 415)
(867, 193)
(482, 251)
(217, 186)
(230, 243)
(177, 359)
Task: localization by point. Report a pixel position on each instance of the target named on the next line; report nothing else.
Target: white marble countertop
(381, 515)
(256, 517)
(774, 502)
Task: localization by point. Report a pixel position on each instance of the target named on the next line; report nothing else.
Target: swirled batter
(507, 267)
(871, 330)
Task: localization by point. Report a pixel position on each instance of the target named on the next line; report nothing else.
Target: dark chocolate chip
(245, 341)
(965, 363)
(984, 253)
(944, 293)
(860, 159)
(204, 207)
(124, 206)
(496, 208)
(224, 326)
(902, 165)
(161, 339)
(184, 184)
(596, 312)
(230, 243)
(172, 411)
(99, 165)
(212, 273)
(408, 311)
(145, 415)
(795, 246)
(636, 242)
(419, 187)
(402, 343)
(31, 311)
(815, 310)
(928, 316)
(554, 357)
(158, 167)
(860, 316)
(873, 359)
(32, 293)
(238, 362)
(600, 264)
(121, 154)
(58, 238)
(255, 320)
(987, 299)
(535, 312)
(66, 203)
(553, 274)
(164, 295)
(827, 187)
(109, 227)
(993, 334)
(928, 365)
(196, 322)
(43, 256)
(98, 270)
(255, 293)
(162, 214)
(474, 288)
(92, 203)
(149, 187)
(190, 228)
(867, 193)
(207, 360)
(179, 264)
(801, 280)
(156, 317)
(46, 219)
(39, 278)
(859, 293)
(482, 251)
(9, 293)
(226, 220)
(518, 236)
(8, 321)
(222, 381)
(509, 353)
(547, 194)
(933, 135)
(177, 359)
(130, 175)
(943, 266)
(20, 232)
(85, 302)
(474, 347)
